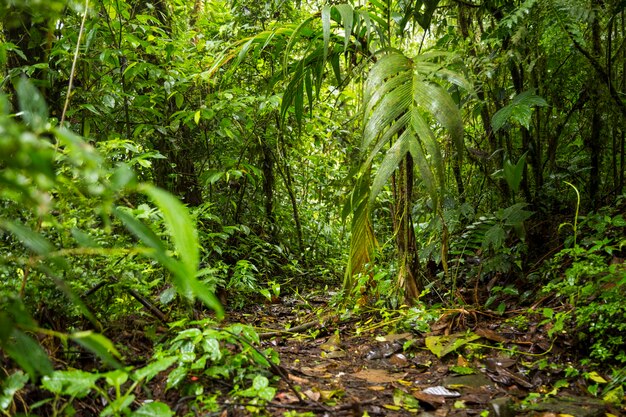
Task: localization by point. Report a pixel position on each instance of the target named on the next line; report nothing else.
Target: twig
(73, 71)
(297, 329)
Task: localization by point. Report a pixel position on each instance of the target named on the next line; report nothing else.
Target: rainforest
(313, 208)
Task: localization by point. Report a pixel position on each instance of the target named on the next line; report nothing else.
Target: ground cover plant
(293, 208)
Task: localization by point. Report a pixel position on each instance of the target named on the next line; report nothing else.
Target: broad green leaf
(28, 354)
(140, 230)
(29, 238)
(267, 393)
(98, 344)
(176, 377)
(347, 17)
(153, 409)
(151, 370)
(519, 110)
(84, 239)
(514, 215)
(260, 382)
(75, 383)
(116, 378)
(32, 105)
(180, 226)
(326, 29)
(494, 237)
(117, 406)
(440, 346)
(513, 173)
(212, 347)
(12, 384)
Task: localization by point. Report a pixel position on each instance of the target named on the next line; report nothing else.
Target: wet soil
(364, 367)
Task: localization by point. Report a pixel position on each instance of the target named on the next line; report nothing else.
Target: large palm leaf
(402, 105)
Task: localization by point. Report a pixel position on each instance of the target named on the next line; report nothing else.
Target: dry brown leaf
(378, 376)
(490, 335)
(298, 380)
(286, 398)
(461, 361)
(434, 401)
(312, 395)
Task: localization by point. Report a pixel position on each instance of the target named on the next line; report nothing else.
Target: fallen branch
(297, 329)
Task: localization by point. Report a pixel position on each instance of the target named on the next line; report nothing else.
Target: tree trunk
(409, 277)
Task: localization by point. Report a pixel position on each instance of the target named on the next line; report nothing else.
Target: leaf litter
(488, 369)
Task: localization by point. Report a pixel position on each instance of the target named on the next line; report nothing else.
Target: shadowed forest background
(166, 164)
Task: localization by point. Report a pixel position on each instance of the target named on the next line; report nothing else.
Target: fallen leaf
(334, 354)
(332, 343)
(394, 337)
(398, 360)
(378, 376)
(441, 391)
(433, 401)
(461, 361)
(298, 380)
(491, 335)
(286, 398)
(312, 395)
(376, 388)
(442, 345)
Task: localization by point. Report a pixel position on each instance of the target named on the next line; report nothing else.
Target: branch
(604, 75)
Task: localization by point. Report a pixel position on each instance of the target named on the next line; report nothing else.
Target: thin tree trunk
(409, 277)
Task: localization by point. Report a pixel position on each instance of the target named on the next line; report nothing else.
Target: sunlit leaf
(98, 344)
(442, 345)
(153, 409)
(75, 383)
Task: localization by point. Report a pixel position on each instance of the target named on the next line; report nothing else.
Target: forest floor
(389, 363)
(469, 364)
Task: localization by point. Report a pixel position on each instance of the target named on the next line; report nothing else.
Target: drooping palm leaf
(399, 96)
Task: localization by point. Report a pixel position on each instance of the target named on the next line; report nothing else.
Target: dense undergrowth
(195, 160)
(70, 267)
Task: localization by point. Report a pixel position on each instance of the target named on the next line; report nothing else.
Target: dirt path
(487, 367)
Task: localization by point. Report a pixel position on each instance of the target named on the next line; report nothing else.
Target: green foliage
(201, 351)
(30, 178)
(594, 285)
(519, 110)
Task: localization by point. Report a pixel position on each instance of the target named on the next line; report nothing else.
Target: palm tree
(403, 102)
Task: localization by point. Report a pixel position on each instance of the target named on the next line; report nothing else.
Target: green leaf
(27, 353)
(347, 17)
(153, 409)
(326, 29)
(180, 226)
(84, 239)
(75, 383)
(513, 173)
(519, 110)
(98, 344)
(118, 405)
(32, 105)
(32, 240)
(150, 371)
(494, 237)
(12, 384)
(440, 346)
(176, 377)
(116, 378)
(140, 230)
(260, 382)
